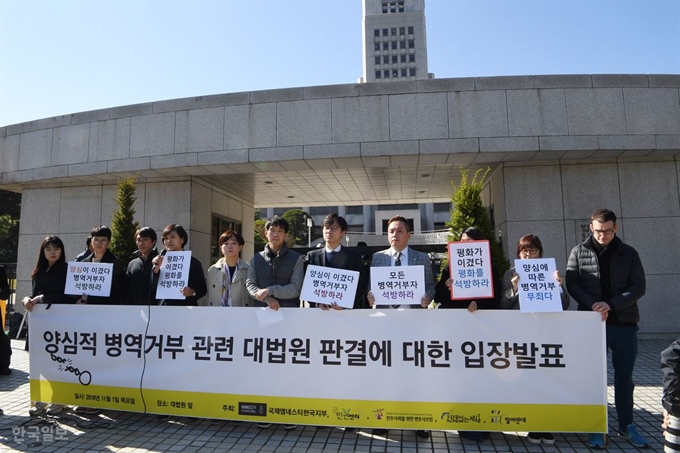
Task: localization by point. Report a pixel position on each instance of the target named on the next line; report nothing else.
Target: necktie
(397, 262)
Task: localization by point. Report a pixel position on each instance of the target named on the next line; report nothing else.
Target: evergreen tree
(259, 239)
(297, 227)
(468, 211)
(124, 225)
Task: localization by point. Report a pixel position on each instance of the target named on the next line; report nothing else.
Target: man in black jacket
(101, 237)
(605, 275)
(336, 256)
(138, 278)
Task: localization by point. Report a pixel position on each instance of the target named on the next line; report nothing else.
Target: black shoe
(351, 429)
(534, 438)
(380, 432)
(5, 372)
(472, 435)
(422, 434)
(548, 438)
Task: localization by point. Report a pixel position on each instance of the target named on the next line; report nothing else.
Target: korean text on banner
(470, 268)
(327, 285)
(403, 285)
(537, 289)
(93, 279)
(174, 275)
(523, 367)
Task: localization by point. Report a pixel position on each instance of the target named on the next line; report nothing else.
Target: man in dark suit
(336, 256)
(400, 254)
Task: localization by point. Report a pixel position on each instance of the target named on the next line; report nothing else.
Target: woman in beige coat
(227, 277)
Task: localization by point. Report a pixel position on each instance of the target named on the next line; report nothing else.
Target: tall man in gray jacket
(605, 275)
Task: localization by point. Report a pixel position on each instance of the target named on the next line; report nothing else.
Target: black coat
(117, 284)
(670, 364)
(51, 283)
(139, 289)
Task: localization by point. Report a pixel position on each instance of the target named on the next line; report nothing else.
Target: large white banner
(418, 369)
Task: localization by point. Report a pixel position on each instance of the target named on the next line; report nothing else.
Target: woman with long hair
(48, 284)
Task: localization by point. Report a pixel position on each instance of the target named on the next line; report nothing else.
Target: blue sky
(66, 56)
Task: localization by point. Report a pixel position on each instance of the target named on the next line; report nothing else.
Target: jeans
(624, 345)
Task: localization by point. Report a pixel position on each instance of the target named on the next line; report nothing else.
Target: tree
(259, 239)
(124, 226)
(10, 212)
(468, 211)
(297, 227)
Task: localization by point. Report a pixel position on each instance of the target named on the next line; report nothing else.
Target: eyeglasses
(529, 250)
(604, 232)
(332, 228)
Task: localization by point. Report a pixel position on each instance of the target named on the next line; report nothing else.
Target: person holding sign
(101, 237)
(48, 284)
(606, 276)
(174, 238)
(336, 256)
(400, 254)
(443, 288)
(227, 277)
(528, 247)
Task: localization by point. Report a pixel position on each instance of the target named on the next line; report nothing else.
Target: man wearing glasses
(339, 257)
(605, 275)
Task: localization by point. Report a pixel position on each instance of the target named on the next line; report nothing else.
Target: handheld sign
(537, 289)
(398, 285)
(325, 285)
(93, 279)
(470, 268)
(173, 275)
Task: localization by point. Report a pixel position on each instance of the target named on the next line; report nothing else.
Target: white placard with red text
(470, 268)
(93, 279)
(398, 285)
(327, 285)
(174, 275)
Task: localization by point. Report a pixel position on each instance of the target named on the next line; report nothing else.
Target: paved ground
(112, 431)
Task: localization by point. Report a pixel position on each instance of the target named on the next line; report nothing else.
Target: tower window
(411, 58)
(394, 45)
(402, 30)
(401, 7)
(377, 74)
(395, 59)
(402, 44)
(385, 32)
(376, 33)
(394, 31)
(403, 58)
(386, 74)
(410, 30)
(376, 46)
(403, 72)
(395, 73)
(412, 72)
(386, 46)
(377, 60)
(386, 59)
(411, 44)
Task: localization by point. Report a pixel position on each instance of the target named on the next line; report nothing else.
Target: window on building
(393, 31)
(376, 33)
(410, 30)
(386, 46)
(378, 74)
(376, 46)
(386, 59)
(384, 8)
(395, 73)
(411, 44)
(377, 60)
(402, 44)
(440, 226)
(411, 58)
(397, 207)
(403, 72)
(402, 58)
(412, 72)
(402, 30)
(395, 59)
(322, 210)
(355, 228)
(393, 7)
(394, 45)
(400, 5)
(386, 74)
(441, 207)
(280, 211)
(385, 32)
(354, 210)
